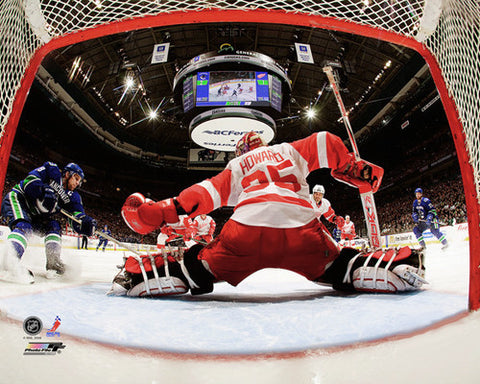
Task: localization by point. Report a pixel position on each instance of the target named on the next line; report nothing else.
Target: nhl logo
(32, 325)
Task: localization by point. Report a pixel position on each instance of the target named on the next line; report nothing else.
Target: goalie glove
(359, 173)
(144, 216)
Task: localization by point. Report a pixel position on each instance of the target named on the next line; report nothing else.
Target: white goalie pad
(385, 276)
(401, 278)
(161, 286)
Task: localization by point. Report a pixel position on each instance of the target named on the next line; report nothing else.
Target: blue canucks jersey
(107, 232)
(423, 209)
(48, 174)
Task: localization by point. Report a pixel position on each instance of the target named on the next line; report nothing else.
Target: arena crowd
(428, 161)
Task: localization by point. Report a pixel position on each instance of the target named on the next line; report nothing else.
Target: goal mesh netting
(445, 31)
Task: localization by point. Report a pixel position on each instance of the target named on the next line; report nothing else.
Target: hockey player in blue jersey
(425, 217)
(103, 241)
(31, 206)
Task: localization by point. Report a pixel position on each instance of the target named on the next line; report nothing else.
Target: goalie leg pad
(200, 275)
(155, 282)
(388, 270)
(162, 287)
(153, 279)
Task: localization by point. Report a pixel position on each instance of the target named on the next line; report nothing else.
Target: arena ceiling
(93, 73)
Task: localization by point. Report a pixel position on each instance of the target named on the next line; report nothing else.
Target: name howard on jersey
(259, 157)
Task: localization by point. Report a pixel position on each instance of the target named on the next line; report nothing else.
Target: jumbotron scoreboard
(224, 96)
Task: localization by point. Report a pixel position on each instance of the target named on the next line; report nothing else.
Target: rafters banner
(304, 53)
(160, 53)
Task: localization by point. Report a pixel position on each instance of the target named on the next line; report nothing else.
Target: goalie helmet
(249, 141)
(74, 168)
(319, 188)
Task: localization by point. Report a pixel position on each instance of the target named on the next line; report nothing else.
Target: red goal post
(445, 33)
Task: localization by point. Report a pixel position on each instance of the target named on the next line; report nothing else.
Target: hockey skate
(55, 266)
(121, 284)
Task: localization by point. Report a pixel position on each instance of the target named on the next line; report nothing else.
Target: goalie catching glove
(143, 215)
(359, 173)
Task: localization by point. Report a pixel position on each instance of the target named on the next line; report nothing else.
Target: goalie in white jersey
(273, 225)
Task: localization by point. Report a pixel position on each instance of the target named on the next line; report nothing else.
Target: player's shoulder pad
(52, 171)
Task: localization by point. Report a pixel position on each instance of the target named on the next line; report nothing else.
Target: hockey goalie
(273, 226)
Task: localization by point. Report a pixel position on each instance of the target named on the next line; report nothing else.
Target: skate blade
(52, 274)
(409, 275)
(116, 290)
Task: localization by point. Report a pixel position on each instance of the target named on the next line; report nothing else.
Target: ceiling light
(129, 83)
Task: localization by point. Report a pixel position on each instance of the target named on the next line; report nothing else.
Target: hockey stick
(138, 255)
(196, 240)
(99, 233)
(438, 221)
(368, 202)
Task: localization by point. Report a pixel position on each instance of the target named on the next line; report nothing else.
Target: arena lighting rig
(227, 93)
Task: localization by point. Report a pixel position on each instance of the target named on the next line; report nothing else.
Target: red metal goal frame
(273, 17)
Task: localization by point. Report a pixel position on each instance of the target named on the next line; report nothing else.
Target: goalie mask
(249, 141)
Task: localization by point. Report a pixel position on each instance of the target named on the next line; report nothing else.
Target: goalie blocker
(172, 273)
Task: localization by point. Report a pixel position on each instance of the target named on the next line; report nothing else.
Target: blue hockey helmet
(419, 190)
(74, 168)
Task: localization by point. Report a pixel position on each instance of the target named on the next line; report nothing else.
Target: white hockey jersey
(323, 209)
(204, 226)
(268, 185)
(183, 223)
(348, 228)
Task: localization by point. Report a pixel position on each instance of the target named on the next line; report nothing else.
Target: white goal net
(445, 32)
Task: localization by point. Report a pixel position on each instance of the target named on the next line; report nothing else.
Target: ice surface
(272, 311)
